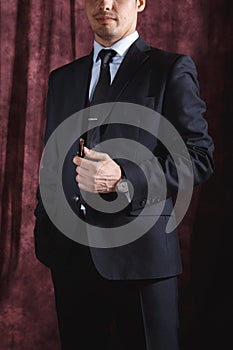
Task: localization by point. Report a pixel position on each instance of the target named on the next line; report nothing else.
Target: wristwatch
(122, 186)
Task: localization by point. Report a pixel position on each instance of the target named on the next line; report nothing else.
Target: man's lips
(103, 17)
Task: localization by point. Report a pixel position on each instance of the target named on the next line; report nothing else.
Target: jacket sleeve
(184, 109)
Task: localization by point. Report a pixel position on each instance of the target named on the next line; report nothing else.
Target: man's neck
(121, 46)
(111, 42)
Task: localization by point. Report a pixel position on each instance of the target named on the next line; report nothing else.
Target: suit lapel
(135, 57)
(82, 81)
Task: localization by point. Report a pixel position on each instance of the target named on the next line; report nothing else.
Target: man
(125, 296)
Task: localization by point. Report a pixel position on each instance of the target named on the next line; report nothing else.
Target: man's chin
(107, 35)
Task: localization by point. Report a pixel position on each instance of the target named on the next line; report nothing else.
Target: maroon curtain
(38, 36)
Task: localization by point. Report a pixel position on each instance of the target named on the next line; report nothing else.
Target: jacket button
(143, 203)
(75, 198)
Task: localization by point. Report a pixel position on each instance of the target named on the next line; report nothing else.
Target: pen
(81, 148)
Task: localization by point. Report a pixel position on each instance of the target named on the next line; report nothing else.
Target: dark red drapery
(38, 36)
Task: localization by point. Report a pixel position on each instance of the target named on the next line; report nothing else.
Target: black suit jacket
(166, 83)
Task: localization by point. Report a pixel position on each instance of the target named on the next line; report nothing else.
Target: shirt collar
(121, 46)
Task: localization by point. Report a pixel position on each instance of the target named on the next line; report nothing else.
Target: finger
(94, 155)
(88, 184)
(83, 163)
(83, 181)
(85, 185)
(77, 160)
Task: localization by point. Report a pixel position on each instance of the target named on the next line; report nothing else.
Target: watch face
(122, 186)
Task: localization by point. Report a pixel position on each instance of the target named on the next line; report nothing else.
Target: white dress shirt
(121, 47)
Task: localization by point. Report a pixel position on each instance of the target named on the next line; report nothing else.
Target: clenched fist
(97, 173)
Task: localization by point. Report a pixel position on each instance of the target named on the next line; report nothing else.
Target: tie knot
(106, 55)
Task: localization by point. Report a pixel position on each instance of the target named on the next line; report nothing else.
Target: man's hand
(97, 174)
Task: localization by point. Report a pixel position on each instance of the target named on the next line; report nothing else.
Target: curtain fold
(14, 148)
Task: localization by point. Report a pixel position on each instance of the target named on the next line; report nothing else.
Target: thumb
(94, 155)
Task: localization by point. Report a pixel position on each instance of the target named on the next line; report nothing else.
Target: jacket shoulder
(161, 60)
(170, 59)
(164, 58)
(71, 66)
(165, 64)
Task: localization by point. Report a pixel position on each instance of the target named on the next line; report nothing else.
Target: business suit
(167, 83)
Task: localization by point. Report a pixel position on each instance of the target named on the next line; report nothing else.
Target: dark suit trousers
(95, 313)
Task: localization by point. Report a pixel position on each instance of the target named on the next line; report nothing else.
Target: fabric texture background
(38, 36)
